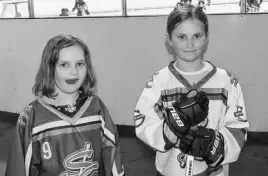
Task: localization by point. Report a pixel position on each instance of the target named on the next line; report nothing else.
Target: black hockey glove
(185, 143)
(184, 114)
(209, 145)
(194, 107)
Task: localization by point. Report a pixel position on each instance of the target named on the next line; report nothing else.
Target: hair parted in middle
(45, 78)
(183, 12)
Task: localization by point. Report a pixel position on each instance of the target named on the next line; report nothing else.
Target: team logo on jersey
(150, 82)
(139, 118)
(182, 158)
(239, 113)
(81, 163)
(24, 115)
(233, 78)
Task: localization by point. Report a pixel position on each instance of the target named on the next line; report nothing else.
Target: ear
(207, 42)
(169, 45)
(207, 39)
(168, 40)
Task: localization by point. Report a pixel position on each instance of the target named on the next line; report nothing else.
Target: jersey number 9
(46, 150)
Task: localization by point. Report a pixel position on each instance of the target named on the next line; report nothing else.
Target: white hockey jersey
(49, 143)
(226, 114)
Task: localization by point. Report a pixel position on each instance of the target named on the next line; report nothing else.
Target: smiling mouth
(189, 51)
(71, 81)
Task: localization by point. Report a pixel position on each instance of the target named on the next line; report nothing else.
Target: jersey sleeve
(235, 125)
(19, 158)
(111, 154)
(148, 116)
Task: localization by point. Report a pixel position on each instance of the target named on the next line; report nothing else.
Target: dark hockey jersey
(49, 143)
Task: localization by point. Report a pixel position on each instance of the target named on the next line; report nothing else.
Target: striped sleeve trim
(115, 170)
(28, 158)
(108, 134)
(211, 171)
(239, 135)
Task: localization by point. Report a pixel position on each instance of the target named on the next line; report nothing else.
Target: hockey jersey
(226, 114)
(49, 143)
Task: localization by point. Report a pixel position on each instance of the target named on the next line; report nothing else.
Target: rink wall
(127, 51)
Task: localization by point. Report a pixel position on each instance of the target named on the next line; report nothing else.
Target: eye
(63, 65)
(80, 64)
(197, 36)
(181, 37)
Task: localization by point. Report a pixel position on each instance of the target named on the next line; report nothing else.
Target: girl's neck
(64, 99)
(189, 66)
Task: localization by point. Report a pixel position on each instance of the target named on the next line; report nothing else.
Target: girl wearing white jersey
(187, 34)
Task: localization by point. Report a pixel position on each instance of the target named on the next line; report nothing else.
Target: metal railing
(124, 10)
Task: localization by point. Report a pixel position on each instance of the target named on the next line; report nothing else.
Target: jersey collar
(199, 84)
(71, 120)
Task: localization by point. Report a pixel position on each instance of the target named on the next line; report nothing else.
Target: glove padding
(178, 122)
(181, 116)
(209, 145)
(169, 137)
(184, 143)
(195, 107)
(186, 113)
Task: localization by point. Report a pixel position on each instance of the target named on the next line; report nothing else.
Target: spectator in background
(250, 6)
(202, 4)
(80, 6)
(185, 2)
(64, 12)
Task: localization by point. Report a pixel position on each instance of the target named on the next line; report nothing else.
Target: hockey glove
(209, 145)
(184, 143)
(178, 122)
(195, 107)
(169, 137)
(187, 112)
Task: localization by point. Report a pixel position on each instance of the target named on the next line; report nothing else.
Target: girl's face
(71, 69)
(189, 40)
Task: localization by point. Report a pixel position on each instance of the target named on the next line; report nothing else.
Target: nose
(73, 70)
(190, 43)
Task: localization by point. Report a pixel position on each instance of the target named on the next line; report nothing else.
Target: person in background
(81, 7)
(64, 12)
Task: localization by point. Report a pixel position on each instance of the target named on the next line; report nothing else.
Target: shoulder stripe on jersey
(62, 123)
(28, 158)
(177, 74)
(170, 95)
(239, 135)
(185, 90)
(67, 130)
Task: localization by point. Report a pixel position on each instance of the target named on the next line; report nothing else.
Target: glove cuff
(215, 151)
(169, 144)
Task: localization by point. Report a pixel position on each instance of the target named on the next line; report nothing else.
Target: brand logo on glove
(175, 116)
(216, 143)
